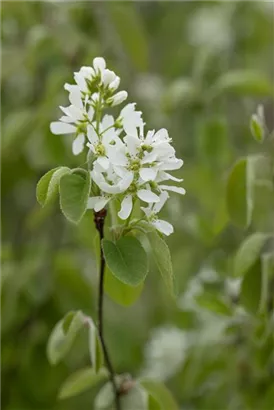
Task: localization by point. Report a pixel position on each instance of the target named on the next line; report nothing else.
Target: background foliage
(198, 69)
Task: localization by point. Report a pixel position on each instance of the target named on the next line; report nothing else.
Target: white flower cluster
(166, 352)
(127, 162)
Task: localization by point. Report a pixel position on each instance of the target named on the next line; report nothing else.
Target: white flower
(130, 118)
(143, 193)
(165, 352)
(74, 121)
(117, 98)
(102, 143)
(151, 213)
(99, 65)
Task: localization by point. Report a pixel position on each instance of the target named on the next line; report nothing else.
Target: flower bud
(99, 64)
(118, 98)
(115, 83)
(108, 77)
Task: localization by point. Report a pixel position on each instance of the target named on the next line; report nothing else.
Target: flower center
(100, 150)
(135, 165)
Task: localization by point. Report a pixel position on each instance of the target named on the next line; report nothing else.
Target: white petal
(92, 135)
(120, 171)
(70, 87)
(108, 76)
(99, 64)
(118, 98)
(148, 174)
(97, 203)
(164, 176)
(126, 207)
(161, 135)
(75, 98)
(172, 165)
(163, 198)
(59, 127)
(117, 157)
(147, 196)
(149, 137)
(149, 157)
(90, 113)
(177, 189)
(115, 83)
(126, 181)
(66, 119)
(104, 162)
(80, 81)
(132, 144)
(78, 144)
(165, 227)
(147, 210)
(73, 112)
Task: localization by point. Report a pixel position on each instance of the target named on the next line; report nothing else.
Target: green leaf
(160, 393)
(95, 348)
(130, 28)
(250, 295)
(153, 404)
(162, 259)
(267, 267)
(238, 194)
(47, 187)
(105, 398)
(118, 291)
(243, 82)
(63, 336)
(74, 194)
(81, 381)
(257, 128)
(214, 304)
(126, 259)
(249, 253)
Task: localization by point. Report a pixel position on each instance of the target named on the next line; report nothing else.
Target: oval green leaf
(119, 292)
(249, 253)
(243, 82)
(257, 128)
(251, 289)
(63, 336)
(74, 194)
(47, 187)
(126, 259)
(162, 259)
(238, 199)
(160, 393)
(81, 381)
(214, 304)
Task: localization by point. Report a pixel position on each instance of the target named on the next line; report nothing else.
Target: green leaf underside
(250, 295)
(63, 336)
(126, 259)
(47, 187)
(214, 304)
(74, 194)
(162, 259)
(160, 394)
(238, 205)
(243, 82)
(249, 253)
(81, 381)
(95, 348)
(257, 128)
(119, 292)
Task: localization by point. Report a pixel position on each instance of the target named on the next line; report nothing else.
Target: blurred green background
(198, 69)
